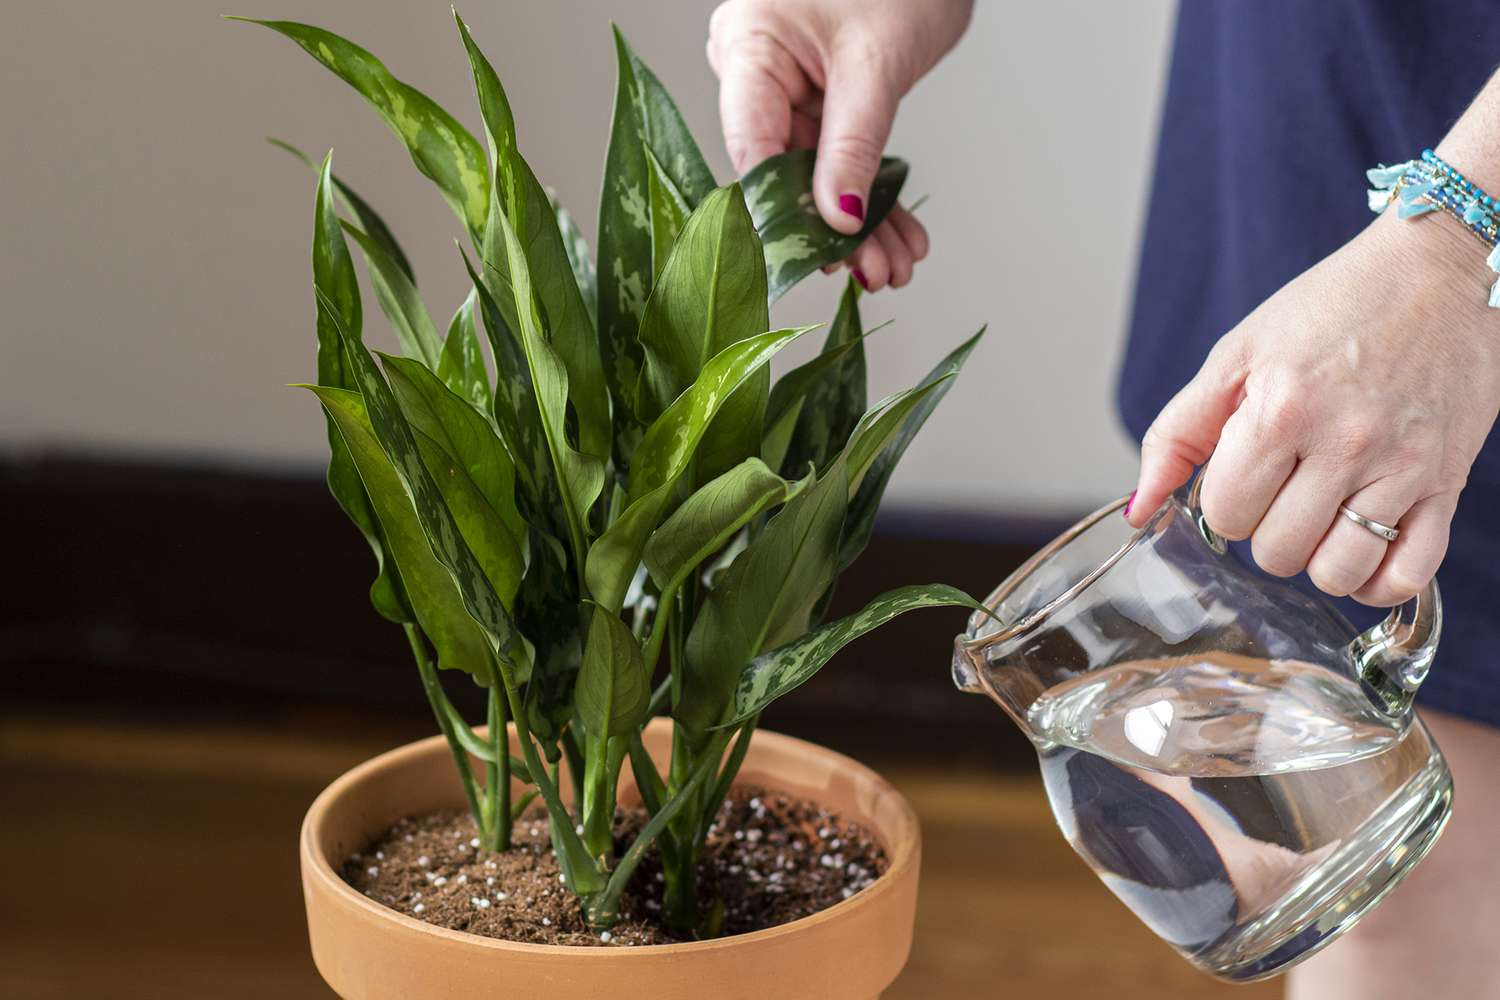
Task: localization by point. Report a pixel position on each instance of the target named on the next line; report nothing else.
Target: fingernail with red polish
(852, 204)
(1129, 503)
(859, 276)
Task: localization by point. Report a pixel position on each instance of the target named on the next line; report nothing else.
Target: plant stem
(586, 876)
(439, 702)
(576, 766)
(603, 910)
(721, 787)
(500, 773)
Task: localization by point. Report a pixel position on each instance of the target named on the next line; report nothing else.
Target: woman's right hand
(829, 74)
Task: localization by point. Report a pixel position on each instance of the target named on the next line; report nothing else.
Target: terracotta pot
(851, 951)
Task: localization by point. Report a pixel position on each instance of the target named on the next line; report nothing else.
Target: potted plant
(628, 537)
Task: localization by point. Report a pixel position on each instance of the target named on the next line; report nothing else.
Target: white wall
(154, 281)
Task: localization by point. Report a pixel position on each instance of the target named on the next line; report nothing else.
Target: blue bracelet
(1431, 184)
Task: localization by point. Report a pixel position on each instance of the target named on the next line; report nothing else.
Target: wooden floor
(159, 862)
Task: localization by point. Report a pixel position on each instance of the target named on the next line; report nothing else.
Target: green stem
(653, 792)
(478, 747)
(664, 608)
(500, 736)
(525, 800)
(586, 876)
(438, 700)
(602, 910)
(576, 766)
(726, 778)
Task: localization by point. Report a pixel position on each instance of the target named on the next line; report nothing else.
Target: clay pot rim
(904, 854)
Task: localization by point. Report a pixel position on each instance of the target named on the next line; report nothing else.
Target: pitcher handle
(1393, 657)
(1195, 508)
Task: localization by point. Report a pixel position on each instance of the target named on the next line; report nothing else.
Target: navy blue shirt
(1274, 109)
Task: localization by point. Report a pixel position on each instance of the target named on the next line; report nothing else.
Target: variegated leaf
(458, 640)
(797, 240)
(644, 118)
(580, 258)
(332, 266)
(834, 391)
(461, 362)
(471, 468)
(866, 500)
(529, 214)
(399, 301)
(764, 599)
(364, 215)
(773, 674)
(711, 293)
(666, 453)
(442, 149)
(709, 518)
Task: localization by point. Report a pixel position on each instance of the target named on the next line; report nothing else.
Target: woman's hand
(829, 74)
(1371, 380)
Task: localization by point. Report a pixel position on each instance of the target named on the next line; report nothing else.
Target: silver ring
(1374, 527)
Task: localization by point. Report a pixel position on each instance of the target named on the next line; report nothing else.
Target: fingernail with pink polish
(852, 204)
(859, 276)
(1129, 503)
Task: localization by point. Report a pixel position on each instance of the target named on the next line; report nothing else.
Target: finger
(1349, 554)
(859, 104)
(1249, 466)
(897, 254)
(758, 85)
(833, 268)
(870, 266)
(1299, 517)
(1185, 432)
(804, 130)
(1412, 560)
(911, 230)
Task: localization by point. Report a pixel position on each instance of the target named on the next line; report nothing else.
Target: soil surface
(770, 858)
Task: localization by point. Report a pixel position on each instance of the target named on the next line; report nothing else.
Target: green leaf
(459, 641)
(883, 423)
(531, 218)
(709, 518)
(644, 118)
(461, 361)
(613, 689)
(669, 213)
(548, 614)
(399, 301)
(665, 455)
(797, 240)
(443, 537)
(773, 674)
(368, 219)
(580, 258)
(470, 467)
(580, 476)
(442, 149)
(517, 412)
(864, 504)
(779, 427)
(833, 385)
(712, 293)
(332, 266)
(764, 599)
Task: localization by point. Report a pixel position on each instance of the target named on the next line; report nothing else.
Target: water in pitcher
(1245, 809)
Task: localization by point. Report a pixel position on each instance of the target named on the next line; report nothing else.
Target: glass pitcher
(1238, 765)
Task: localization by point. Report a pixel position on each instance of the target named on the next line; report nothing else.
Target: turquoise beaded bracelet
(1431, 184)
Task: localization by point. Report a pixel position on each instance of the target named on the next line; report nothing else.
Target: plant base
(367, 951)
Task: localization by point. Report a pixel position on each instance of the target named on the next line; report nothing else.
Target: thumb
(1184, 434)
(859, 105)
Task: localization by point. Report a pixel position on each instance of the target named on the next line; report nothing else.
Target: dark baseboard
(139, 589)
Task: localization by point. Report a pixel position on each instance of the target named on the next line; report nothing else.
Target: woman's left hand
(1371, 380)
